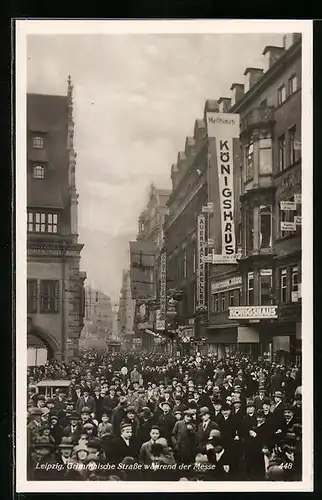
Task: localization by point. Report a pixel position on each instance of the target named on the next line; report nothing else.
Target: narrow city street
(164, 258)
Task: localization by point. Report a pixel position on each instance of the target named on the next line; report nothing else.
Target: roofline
(267, 77)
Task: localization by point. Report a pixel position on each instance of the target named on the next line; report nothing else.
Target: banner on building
(222, 129)
(162, 313)
(201, 274)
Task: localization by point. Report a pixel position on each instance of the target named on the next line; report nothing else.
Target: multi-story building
(55, 298)
(98, 311)
(189, 194)
(270, 113)
(152, 218)
(126, 311)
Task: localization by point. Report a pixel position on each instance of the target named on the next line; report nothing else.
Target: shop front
(221, 340)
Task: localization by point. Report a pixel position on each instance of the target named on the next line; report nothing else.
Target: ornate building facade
(55, 292)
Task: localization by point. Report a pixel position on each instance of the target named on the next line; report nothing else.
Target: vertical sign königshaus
(201, 275)
(222, 129)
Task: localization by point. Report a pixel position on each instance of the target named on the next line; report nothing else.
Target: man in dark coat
(227, 426)
(111, 401)
(204, 428)
(118, 416)
(184, 439)
(86, 400)
(122, 446)
(221, 458)
(99, 402)
(44, 466)
(166, 421)
(74, 428)
(278, 410)
(258, 438)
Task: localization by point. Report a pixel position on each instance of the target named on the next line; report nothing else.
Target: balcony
(257, 118)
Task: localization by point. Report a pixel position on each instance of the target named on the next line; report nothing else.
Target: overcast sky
(136, 99)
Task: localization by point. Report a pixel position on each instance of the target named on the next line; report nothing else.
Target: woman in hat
(79, 455)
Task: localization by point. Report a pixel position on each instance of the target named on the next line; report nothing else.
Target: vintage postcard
(164, 256)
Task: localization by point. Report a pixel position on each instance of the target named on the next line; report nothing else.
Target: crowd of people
(144, 417)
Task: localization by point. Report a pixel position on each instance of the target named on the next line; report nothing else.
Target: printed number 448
(286, 465)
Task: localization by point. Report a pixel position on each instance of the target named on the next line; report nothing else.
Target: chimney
(290, 38)
(252, 75)
(210, 105)
(237, 92)
(224, 104)
(271, 54)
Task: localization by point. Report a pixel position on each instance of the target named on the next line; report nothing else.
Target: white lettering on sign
(298, 198)
(163, 291)
(288, 205)
(226, 194)
(253, 312)
(298, 220)
(229, 284)
(223, 125)
(201, 247)
(288, 226)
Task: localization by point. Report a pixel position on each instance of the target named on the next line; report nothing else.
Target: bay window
(49, 296)
(265, 226)
(265, 156)
(42, 222)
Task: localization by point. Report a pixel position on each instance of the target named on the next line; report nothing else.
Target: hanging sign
(288, 226)
(298, 220)
(298, 198)
(201, 251)
(163, 292)
(288, 205)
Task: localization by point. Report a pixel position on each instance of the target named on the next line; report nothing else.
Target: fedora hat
(66, 442)
(204, 410)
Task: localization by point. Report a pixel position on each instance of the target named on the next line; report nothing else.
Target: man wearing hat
(260, 398)
(86, 400)
(43, 455)
(86, 419)
(56, 430)
(73, 429)
(227, 425)
(216, 410)
(34, 426)
(204, 428)
(184, 439)
(99, 402)
(118, 415)
(219, 456)
(65, 449)
(166, 421)
(110, 401)
(248, 421)
(278, 409)
(122, 446)
(254, 458)
(131, 418)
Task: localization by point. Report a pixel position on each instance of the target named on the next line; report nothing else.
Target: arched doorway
(38, 351)
(41, 346)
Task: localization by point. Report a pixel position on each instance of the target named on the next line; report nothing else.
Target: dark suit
(225, 469)
(119, 450)
(166, 423)
(228, 430)
(81, 403)
(255, 466)
(203, 434)
(184, 442)
(99, 405)
(74, 432)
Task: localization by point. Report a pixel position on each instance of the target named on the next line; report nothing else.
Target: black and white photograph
(164, 275)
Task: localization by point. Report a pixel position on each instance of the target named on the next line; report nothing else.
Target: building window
(294, 146)
(283, 284)
(42, 222)
(32, 289)
(38, 142)
(250, 288)
(266, 278)
(216, 303)
(265, 226)
(281, 95)
(223, 301)
(295, 283)
(39, 172)
(231, 298)
(249, 161)
(265, 156)
(49, 296)
(292, 85)
(249, 230)
(184, 263)
(281, 152)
